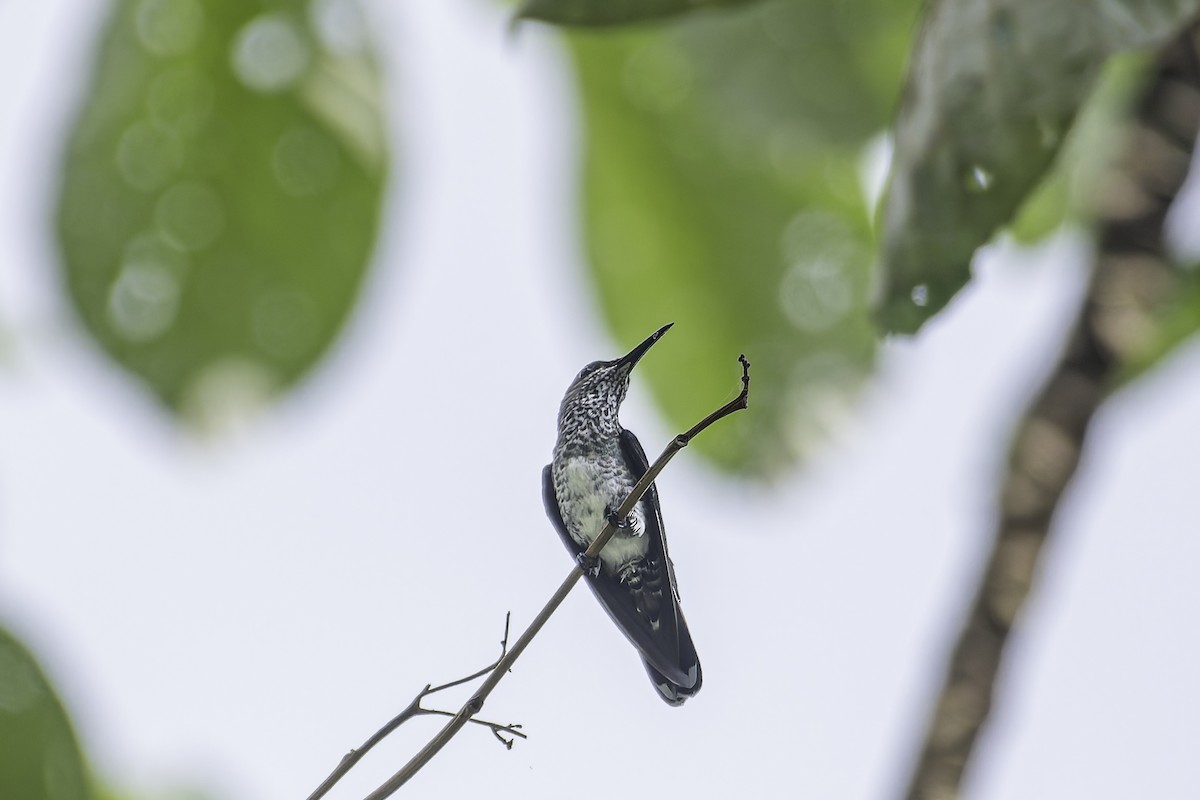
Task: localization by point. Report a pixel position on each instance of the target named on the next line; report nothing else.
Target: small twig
(736, 404)
(414, 709)
(485, 670)
(495, 727)
(475, 704)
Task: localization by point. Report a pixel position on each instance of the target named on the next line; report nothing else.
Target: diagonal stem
(414, 709)
(475, 704)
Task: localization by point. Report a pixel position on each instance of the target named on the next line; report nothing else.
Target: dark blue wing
(647, 609)
(683, 676)
(635, 457)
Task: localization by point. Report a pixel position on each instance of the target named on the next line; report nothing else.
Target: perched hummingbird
(595, 465)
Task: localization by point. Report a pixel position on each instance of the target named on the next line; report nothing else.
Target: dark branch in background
(1131, 276)
(415, 709)
(497, 671)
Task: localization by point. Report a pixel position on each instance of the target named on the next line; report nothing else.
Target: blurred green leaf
(39, 756)
(221, 193)
(1177, 322)
(1068, 191)
(992, 90)
(183, 792)
(1170, 324)
(611, 12)
(722, 192)
(800, 74)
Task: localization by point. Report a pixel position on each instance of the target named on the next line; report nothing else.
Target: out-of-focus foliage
(610, 12)
(723, 191)
(1068, 191)
(992, 90)
(221, 193)
(1176, 321)
(39, 757)
(184, 792)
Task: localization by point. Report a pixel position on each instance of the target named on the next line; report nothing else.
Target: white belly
(585, 493)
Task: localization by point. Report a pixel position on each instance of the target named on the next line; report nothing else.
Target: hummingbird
(595, 465)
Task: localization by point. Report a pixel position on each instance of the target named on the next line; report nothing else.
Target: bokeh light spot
(816, 292)
(144, 299)
(169, 27)
(339, 25)
(270, 53)
(817, 289)
(148, 157)
(228, 394)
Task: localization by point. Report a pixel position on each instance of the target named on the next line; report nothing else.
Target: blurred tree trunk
(1130, 278)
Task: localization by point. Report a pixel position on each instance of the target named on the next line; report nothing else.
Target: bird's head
(597, 392)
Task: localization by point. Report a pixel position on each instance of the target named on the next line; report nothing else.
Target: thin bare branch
(414, 709)
(485, 670)
(475, 704)
(1130, 278)
(496, 728)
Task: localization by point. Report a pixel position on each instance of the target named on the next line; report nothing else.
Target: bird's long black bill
(633, 356)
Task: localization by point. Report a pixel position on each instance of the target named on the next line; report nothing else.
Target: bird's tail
(685, 679)
(674, 693)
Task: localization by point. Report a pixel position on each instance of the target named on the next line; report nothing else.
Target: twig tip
(744, 397)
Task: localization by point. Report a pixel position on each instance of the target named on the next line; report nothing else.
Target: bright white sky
(234, 615)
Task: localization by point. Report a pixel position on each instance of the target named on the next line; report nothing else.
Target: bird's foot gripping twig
(589, 564)
(616, 520)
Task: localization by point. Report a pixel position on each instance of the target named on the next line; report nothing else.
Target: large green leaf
(39, 756)
(221, 193)
(1068, 191)
(610, 12)
(993, 88)
(722, 192)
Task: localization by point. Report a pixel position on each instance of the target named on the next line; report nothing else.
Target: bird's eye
(588, 370)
